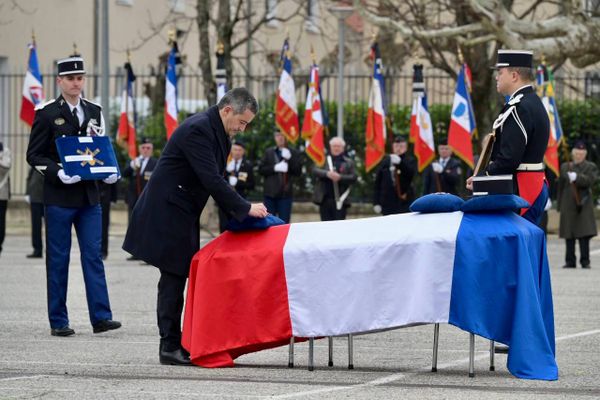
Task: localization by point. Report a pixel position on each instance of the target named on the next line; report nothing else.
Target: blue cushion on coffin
(253, 223)
(437, 202)
(494, 202)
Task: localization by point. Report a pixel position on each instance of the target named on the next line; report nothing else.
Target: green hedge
(579, 120)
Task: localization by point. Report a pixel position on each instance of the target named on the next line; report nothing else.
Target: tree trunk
(208, 81)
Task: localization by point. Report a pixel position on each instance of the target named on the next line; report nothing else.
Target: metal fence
(440, 90)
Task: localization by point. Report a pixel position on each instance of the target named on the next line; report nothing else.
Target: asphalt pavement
(123, 364)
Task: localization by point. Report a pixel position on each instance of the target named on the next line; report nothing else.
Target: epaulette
(42, 105)
(515, 100)
(91, 102)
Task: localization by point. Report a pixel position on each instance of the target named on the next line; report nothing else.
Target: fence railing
(440, 89)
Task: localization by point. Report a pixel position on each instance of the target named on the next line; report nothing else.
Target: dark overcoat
(164, 229)
(574, 223)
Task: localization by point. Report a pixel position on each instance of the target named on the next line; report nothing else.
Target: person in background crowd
(138, 171)
(394, 192)
(5, 164)
(442, 175)
(333, 182)
(576, 205)
(108, 194)
(240, 176)
(279, 165)
(34, 195)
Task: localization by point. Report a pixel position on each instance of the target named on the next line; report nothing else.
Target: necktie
(76, 117)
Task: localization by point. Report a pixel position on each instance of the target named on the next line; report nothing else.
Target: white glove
(233, 180)
(437, 167)
(28, 199)
(377, 208)
(281, 166)
(548, 205)
(137, 163)
(230, 166)
(286, 153)
(395, 159)
(109, 180)
(66, 179)
(572, 176)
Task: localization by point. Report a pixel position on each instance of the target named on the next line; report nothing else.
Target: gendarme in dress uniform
(522, 131)
(69, 201)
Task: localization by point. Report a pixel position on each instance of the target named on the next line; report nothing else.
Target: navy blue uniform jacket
(165, 223)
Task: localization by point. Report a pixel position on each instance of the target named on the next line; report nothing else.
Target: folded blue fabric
(437, 202)
(494, 202)
(253, 223)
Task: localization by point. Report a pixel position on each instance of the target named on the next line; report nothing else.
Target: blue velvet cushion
(437, 202)
(494, 202)
(253, 223)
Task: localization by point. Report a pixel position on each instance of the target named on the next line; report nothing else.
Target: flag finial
(128, 55)
(461, 58)
(543, 59)
(75, 52)
(171, 35)
(220, 47)
(313, 57)
(33, 37)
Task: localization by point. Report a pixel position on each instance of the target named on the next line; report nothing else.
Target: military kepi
(493, 184)
(514, 58)
(70, 66)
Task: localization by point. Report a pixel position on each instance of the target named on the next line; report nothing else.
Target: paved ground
(124, 364)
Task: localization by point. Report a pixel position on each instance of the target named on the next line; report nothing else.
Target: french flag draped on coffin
(484, 273)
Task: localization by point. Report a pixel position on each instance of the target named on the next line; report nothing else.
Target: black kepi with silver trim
(514, 58)
(70, 66)
(492, 184)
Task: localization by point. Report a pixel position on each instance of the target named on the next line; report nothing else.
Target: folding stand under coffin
(436, 334)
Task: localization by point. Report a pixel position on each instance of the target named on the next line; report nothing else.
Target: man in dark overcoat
(576, 205)
(164, 230)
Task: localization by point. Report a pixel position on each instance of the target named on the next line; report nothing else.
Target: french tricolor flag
(171, 111)
(33, 92)
(286, 111)
(462, 120)
(421, 129)
(255, 290)
(312, 126)
(375, 133)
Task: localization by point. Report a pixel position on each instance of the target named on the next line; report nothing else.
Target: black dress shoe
(586, 266)
(106, 325)
(64, 331)
(34, 255)
(132, 258)
(501, 349)
(177, 357)
(568, 266)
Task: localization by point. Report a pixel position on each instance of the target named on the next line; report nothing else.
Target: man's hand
(286, 153)
(377, 209)
(281, 166)
(469, 184)
(233, 180)
(395, 159)
(109, 180)
(572, 176)
(334, 176)
(258, 210)
(66, 179)
(437, 167)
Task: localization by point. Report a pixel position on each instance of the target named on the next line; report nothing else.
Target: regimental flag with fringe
(126, 132)
(421, 129)
(33, 91)
(286, 111)
(462, 121)
(375, 133)
(312, 126)
(545, 84)
(171, 121)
